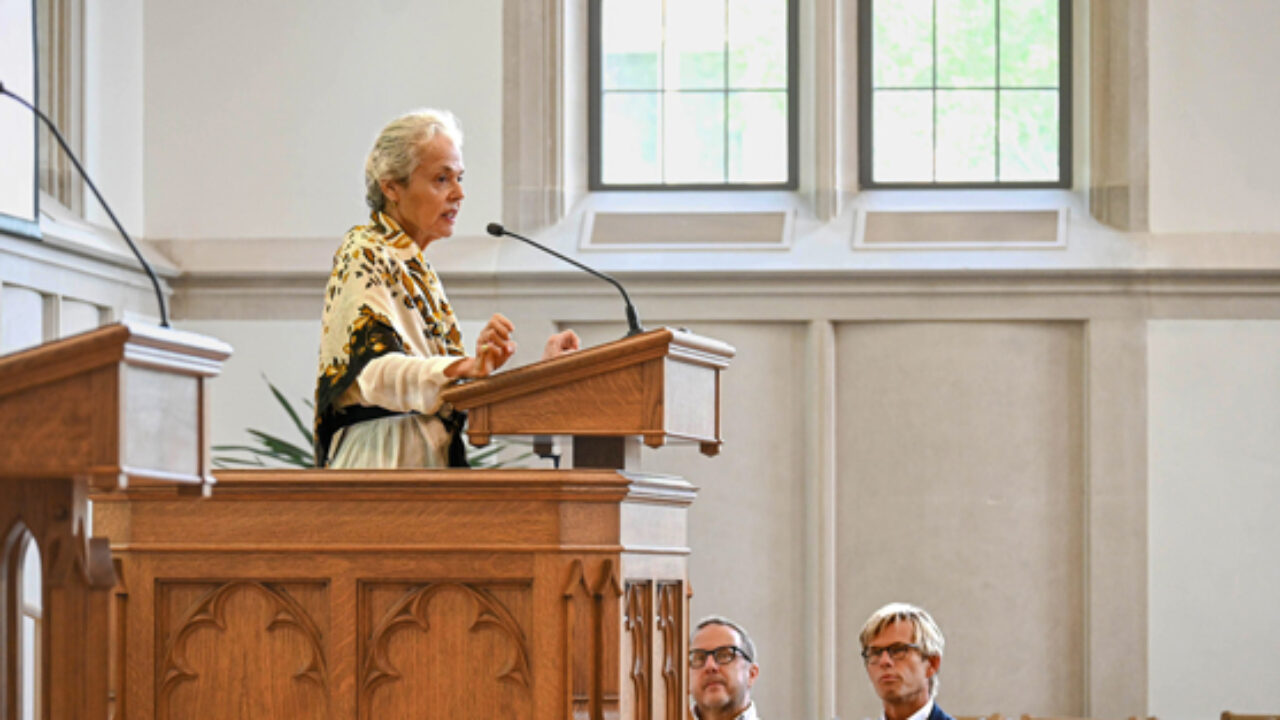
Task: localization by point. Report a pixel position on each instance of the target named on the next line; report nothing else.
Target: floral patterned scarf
(382, 297)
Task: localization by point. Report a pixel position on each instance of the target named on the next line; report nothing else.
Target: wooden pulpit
(659, 385)
(119, 407)
(494, 593)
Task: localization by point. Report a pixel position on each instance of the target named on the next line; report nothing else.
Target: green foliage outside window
(965, 91)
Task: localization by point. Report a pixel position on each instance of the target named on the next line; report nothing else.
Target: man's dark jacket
(939, 714)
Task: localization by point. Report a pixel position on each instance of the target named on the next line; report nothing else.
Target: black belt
(454, 423)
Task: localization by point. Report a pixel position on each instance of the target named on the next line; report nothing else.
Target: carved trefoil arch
(218, 643)
(446, 644)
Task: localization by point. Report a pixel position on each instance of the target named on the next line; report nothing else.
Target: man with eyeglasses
(722, 669)
(902, 648)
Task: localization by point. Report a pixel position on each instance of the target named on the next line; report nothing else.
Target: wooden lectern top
(123, 402)
(659, 385)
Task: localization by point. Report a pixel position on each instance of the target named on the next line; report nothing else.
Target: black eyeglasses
(724, 655)
(897, 651)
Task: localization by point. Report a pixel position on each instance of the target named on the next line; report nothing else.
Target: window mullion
(933, 83)
(662, 100)
(724, 109)
(999, 87)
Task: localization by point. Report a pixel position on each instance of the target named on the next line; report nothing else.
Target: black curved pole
(155, 282)
(633, 319)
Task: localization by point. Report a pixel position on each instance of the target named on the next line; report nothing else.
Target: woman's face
(427, 205)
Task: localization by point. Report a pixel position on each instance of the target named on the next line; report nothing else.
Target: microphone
(633, 320)
(155, 282)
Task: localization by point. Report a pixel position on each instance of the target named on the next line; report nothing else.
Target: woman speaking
(390, 340)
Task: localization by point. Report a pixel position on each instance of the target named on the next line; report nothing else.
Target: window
(693, 94)
(964, 93)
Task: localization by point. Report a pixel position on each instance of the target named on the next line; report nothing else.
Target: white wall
(114, 129)
(282, 351)
(259, 114)
(1214, 488)
(1214, 101)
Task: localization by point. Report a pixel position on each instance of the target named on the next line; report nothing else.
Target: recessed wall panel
(960, 489)
(21, 319)
(1214, 485)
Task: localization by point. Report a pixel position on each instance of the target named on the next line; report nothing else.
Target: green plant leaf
(278, 445)
(238, 448)
(293, 414)
(226, 462)
(481, 453)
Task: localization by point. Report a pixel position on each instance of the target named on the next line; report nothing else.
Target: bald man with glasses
(902, 648)
(722, 669)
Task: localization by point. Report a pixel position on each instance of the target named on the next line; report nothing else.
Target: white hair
(395, 153)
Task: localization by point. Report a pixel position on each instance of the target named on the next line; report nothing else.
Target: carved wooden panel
(15, 536)
(408, 621)
(76, 578)
(638, 639)
(590, 604)
(118, 641)
(263, 641)
(670, 622)
(460, 649)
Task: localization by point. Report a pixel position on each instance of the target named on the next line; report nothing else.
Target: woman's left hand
(494, 347)
(561, 343)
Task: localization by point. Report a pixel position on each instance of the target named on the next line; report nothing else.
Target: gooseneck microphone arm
(155, 282)
(633, 320)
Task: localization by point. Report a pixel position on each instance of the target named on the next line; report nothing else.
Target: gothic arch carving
(210, 612)
(585, 687)
(670, 621)
(412, 612)
(639, 610)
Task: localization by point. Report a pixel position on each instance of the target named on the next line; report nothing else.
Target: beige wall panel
(1214, 403)
(960, 489)
(77, 317)
(21, 318)
(746, 527)
(1213, 169)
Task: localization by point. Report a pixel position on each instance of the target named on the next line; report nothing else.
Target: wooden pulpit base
(532, 594)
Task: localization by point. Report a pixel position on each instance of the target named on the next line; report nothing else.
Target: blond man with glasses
(902, 649)
(722, 669)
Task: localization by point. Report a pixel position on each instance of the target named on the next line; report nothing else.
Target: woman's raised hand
(494, 347)
(565, 341)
